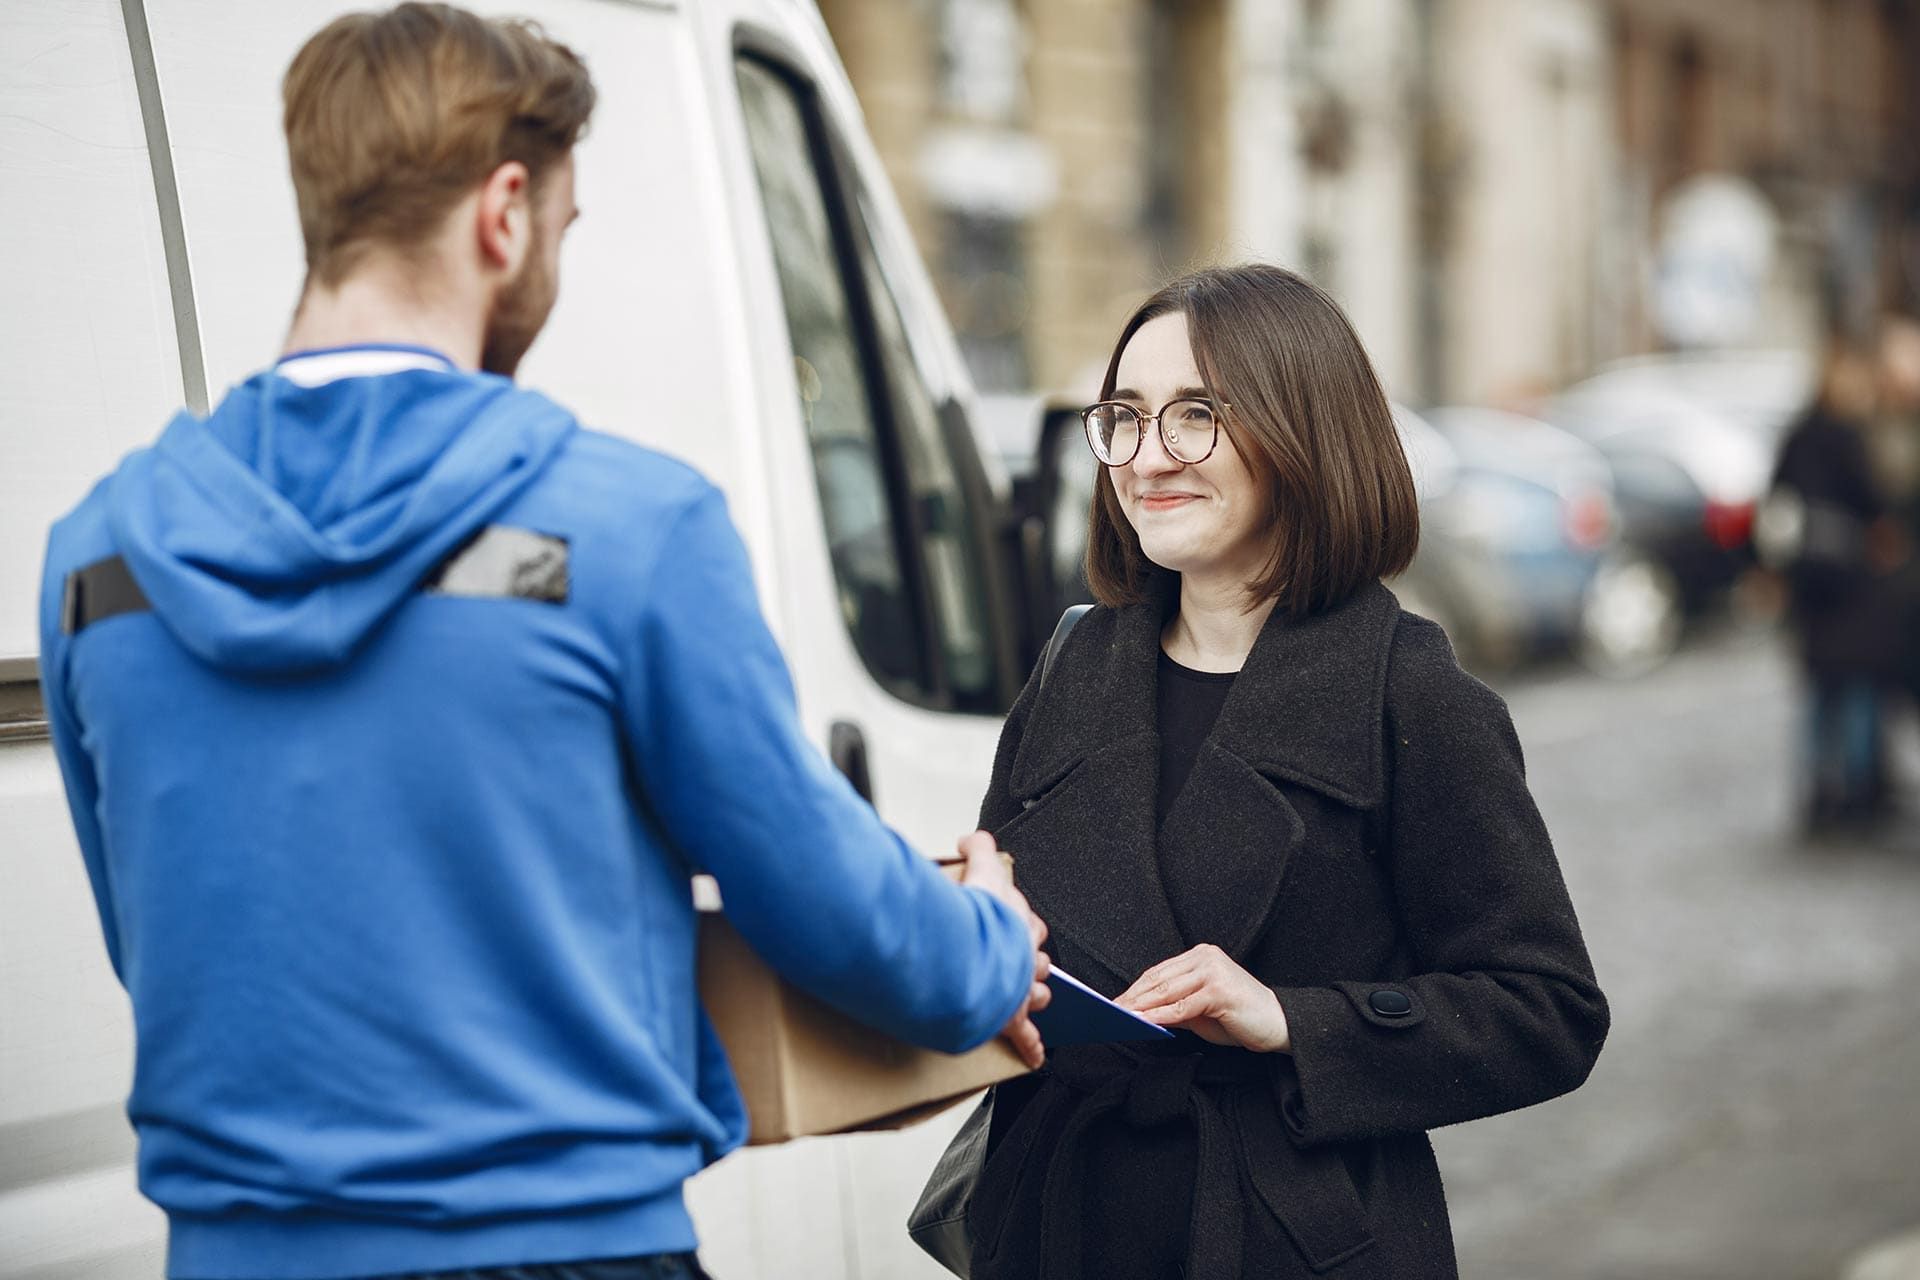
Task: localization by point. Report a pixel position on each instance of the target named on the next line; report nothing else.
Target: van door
(892, 601)
(891, 606)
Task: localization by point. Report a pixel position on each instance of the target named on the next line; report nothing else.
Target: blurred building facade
(1815, 102)
(1503, 193)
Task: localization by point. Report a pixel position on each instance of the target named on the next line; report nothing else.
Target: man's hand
(1204, 991)
(985, 871)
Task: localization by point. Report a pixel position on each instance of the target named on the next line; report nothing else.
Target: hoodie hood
(277, 534)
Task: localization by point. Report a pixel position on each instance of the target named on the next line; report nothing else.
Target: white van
(741, 292)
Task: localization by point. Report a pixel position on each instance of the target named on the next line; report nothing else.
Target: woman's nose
(1153, 458)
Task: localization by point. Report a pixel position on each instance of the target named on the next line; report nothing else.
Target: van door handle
(847, 747)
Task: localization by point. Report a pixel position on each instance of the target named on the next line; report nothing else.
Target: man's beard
(519, 312)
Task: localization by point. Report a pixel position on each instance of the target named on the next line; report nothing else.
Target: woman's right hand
(1207, 992)
(987, 871)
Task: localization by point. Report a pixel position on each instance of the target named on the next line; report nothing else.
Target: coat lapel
(1088, 770)
(1305, 710)
(1225, 847)
(1307, 705)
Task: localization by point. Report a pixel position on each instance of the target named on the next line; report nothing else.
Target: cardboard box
(805, 1068)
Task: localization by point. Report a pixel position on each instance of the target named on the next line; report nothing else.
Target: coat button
(1390, 1004)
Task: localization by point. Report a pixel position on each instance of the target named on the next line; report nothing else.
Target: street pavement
(1756, 1112)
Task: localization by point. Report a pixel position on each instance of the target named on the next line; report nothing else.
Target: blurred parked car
(1688, 476)
(1529, 542)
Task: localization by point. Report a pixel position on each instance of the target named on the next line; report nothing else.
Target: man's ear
(505, 221)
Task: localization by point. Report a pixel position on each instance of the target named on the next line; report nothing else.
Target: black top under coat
(1189, 703)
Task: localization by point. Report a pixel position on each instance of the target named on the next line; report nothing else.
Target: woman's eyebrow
(1180, 393)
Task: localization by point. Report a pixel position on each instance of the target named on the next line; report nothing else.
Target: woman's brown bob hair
(1310, 420)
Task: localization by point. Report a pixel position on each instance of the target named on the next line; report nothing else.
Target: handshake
(987, 871)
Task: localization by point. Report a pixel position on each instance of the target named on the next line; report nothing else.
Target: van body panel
(636, 324)
(92, 371)
(929, 768)
(670, 331)
(67, 1194)
(92, 365)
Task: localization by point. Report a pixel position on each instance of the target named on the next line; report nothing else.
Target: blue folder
(1078, 1014)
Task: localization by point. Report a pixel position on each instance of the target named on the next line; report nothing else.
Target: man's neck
(380, 306)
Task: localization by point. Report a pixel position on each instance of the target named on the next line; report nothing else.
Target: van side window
(906, 506)
(945, 515)
(856, 501)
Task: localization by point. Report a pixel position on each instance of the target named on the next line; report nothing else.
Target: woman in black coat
(1259, 803)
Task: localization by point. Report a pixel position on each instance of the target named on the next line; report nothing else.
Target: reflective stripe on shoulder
(100, 590)
(500, 562)
(507, 562)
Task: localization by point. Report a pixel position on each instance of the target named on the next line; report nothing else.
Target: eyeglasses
(1189, 430)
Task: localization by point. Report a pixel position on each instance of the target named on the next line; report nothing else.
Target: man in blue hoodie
(395, 711)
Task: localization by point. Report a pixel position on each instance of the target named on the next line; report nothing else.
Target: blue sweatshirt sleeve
(76, 768)
(826, 893)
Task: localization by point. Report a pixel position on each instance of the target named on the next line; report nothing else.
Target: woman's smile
(1168, 501)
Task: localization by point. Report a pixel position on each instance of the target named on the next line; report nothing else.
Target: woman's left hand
(1207, 993)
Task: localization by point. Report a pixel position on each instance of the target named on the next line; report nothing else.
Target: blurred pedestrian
(1268, 809)
(1828, 529)
(395, 712)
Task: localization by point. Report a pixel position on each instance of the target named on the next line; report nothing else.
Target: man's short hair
(391, 118)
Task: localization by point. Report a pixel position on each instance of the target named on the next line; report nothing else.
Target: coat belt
(1308, 1192)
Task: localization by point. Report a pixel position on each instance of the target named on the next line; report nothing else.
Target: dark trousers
(1843, 748)
(655, 1266)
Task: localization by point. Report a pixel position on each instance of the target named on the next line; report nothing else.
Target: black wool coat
(1358, 834)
